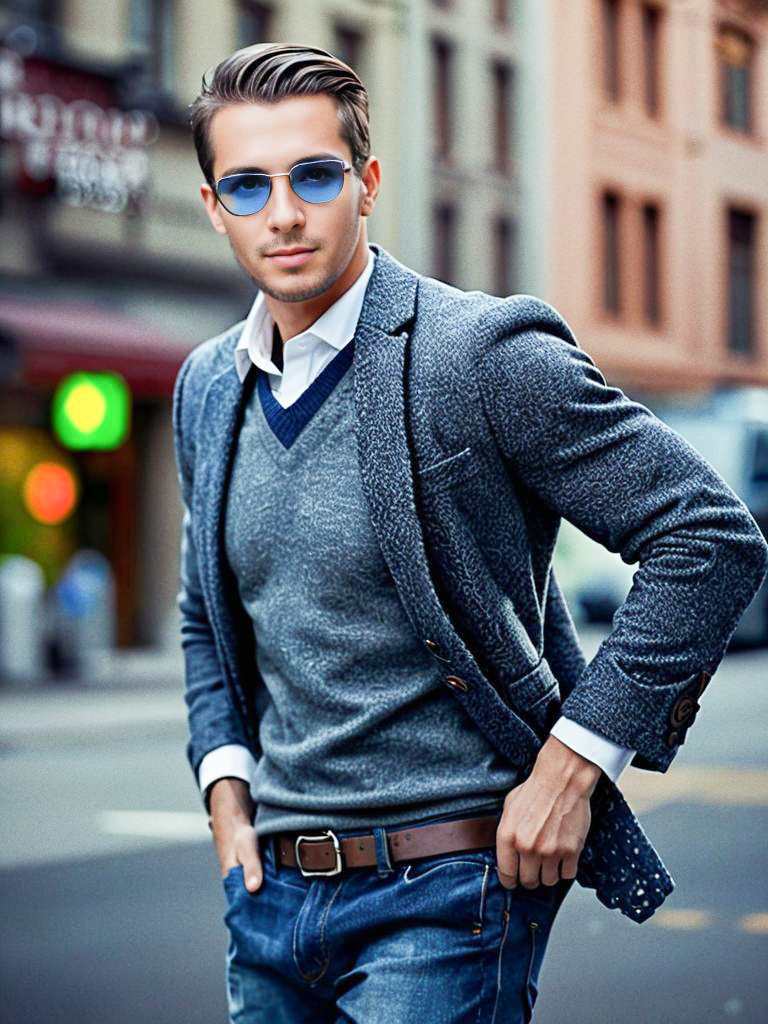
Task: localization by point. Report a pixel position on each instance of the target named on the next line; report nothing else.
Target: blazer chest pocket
(449, 471)
(536, 697)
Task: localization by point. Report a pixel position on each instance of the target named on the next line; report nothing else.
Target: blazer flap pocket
(452, 469)
(534, 691)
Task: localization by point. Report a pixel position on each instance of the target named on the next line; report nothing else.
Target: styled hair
(268, 72)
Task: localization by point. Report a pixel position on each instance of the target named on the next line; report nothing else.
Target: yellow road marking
(682, 919)
(757, 924)
(702, 784)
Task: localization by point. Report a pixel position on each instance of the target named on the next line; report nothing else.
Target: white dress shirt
(305, 356)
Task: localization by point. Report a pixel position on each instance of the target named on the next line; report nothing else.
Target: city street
(112, 904)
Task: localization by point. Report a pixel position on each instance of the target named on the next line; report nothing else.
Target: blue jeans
(434, 939)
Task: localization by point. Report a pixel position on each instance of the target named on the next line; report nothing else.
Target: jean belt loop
(383, 863)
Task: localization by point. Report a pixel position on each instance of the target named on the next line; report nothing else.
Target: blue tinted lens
(318, 181)
(244, 193)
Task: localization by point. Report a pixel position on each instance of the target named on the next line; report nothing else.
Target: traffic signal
(92, 411)
(50, 492)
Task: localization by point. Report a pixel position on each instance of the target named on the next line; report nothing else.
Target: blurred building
(643, 184)
(607, 155)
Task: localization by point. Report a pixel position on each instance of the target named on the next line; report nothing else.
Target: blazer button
(457, 683)
(673, 739)
(435, 649)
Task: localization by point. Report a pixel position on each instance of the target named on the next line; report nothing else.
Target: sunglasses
(314, 181)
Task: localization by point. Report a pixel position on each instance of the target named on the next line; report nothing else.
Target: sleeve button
(684, 710)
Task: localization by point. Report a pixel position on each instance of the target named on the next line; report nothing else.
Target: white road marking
(175, 825)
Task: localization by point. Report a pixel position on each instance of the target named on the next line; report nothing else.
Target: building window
(444, 238)
(736, 51)
(611, 214)
(442, 97)
(611, 70)
(500, 11)
(502, 89)
(254, 22)
(153, 34)
(651, 64)
(651, 264)
(741, 281)
(503, 256)
(349, 45)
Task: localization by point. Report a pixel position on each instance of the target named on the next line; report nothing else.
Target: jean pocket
(530, 986)
(466, 861)
(449, 889)
(233, 880)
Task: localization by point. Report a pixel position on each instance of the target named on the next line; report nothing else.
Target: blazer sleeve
(213, 719)
(627, 480)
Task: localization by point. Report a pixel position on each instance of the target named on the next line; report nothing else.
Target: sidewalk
(131, 689)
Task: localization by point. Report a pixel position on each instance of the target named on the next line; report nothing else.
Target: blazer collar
(390, 300)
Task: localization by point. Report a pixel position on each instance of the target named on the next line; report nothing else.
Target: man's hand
(234, 835)
(546, 819)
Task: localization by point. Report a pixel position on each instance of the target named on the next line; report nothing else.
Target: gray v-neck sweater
(355, 724)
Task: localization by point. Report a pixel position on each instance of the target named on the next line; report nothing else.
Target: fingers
(507, 860)
(239, 846)
(550, 871)
(530, 871)
(570, 867)
(248, 856)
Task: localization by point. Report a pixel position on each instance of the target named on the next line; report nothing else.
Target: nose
(284, 208)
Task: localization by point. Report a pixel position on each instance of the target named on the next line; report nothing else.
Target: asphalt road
(112, 904)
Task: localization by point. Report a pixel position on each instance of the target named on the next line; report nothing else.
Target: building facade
(648, 182)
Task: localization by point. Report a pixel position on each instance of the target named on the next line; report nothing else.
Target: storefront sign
(70, 137)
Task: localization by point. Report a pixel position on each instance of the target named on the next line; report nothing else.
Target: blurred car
(731, 432)
(730, 429)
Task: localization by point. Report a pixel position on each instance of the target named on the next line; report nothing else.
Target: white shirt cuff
(232, 760)
(610, 756)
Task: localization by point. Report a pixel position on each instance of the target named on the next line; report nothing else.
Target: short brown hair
(268, 72)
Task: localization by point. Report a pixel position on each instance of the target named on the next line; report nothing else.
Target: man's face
(272, 138)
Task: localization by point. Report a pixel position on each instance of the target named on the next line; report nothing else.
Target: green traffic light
(92, 411)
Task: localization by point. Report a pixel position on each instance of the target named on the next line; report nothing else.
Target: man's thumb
(252, 870)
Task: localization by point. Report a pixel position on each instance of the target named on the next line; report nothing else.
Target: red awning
(57, 338)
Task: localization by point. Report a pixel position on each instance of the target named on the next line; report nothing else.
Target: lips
(291, 257)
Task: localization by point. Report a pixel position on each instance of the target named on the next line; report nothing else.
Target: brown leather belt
(326, 854)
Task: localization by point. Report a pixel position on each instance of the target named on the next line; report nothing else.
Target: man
(374, 466)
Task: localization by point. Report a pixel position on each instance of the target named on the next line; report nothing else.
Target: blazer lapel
(380, 368)
(222, 412)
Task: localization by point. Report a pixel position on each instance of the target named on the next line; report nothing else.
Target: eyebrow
(260, 170)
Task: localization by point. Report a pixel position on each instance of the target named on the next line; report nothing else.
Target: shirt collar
(336, 326)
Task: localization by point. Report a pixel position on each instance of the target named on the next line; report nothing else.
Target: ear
(213, 208)
(370, 177)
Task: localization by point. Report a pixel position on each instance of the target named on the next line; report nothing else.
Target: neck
(294, 317)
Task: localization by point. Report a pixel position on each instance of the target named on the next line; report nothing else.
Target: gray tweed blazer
(480, 423)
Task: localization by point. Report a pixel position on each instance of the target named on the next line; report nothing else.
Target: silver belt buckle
(335, 870)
